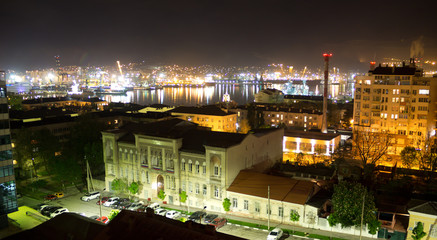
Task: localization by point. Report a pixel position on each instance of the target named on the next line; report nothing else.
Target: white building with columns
(176, 155)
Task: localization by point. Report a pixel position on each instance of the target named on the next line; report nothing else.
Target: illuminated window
(234, 203)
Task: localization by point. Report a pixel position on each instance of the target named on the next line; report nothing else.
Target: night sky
(99, 32)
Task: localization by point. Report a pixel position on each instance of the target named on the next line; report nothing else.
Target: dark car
(208, 218)
(218, 223)
(49, 210)
(142, 208)
(102, 201)
(121, 203)
(197, 216)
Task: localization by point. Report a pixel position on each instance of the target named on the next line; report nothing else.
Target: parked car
(42, 206)
(208, 218)
(50, 197)
(59, 194)
(218, 222)
(58, 211)
(173, 214)
(102, 201)
(197, 216)
(49, 209)
(154, 206)
(275, 234)
(89, 196)
(141, 208)
(110, 201)
(160, 211)
(121, 204)
(134, 206)
(103, 219)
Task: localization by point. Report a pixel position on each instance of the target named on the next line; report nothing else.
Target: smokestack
(326, 57)
(372, 66)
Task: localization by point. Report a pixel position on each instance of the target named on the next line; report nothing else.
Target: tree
(255, 116)
(370, 147)
(134, 188)
(409, 156)
(294, 216)
(66, 170)
(113, 214)
(244, 126)
(418, 232)
(15, 101)
(161, 195)
(183, 196)
(119, 185)
(227, 204)
(347, 203)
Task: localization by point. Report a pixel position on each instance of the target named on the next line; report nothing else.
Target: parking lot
(75, 204)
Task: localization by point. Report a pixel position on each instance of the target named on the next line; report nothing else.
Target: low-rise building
(269, 95)
(209, 116)
(427, 214)
(176, 155)
(252, 194)
(310, 144)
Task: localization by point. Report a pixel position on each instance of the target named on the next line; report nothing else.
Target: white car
(275, 234)
(111, 201)
(154, 206)
(57, 212)
(160, 211)
(90, 196)
(173, 214)
(134, 206)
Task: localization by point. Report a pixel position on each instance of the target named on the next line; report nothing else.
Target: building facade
(175, 155)
(279, 115)
(269, 95)
(8, 197)
(427, 214)
(208, 116)
(399, 101)
(313, 145)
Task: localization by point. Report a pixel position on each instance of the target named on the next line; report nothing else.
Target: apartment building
(302, 119)
(397, 100)
(8, 198)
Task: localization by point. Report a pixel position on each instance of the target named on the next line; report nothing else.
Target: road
(74, 204)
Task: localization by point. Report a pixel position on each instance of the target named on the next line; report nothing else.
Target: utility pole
(362, 214)
(268, 210)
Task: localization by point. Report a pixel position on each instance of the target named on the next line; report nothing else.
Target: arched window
(197, 167)
(204, 168)
(190, 166)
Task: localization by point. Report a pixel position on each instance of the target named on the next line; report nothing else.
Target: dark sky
(97, 32)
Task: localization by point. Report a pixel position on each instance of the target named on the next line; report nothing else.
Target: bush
(39, 184)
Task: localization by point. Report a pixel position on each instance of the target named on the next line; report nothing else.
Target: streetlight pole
(268, 208)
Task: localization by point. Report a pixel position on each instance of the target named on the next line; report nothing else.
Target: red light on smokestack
(372, 66)
(327, 54)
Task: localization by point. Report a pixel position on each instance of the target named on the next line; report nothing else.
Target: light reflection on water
(188, 96)
(192, 96)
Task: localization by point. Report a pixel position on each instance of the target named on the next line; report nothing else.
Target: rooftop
(281, 188)
(211, 110)
(310, 135)
(426, 208)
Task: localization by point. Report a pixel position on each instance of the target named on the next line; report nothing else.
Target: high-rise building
(8, 197)
(399, 101)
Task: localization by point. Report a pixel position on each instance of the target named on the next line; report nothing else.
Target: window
(234, 203)
(5, 155)
(197, 188)
(190, 187)
(183, 165)
(424, 91)
(190, 166)
(204, 168)
(216, 170)
(257, 207)
(281, 211)
(216, 191)
(183, 186)
(433, 230)
(204, 189)
(147, 177)
(197, 168)
(246, 205)
(6, 171)
(268, 210)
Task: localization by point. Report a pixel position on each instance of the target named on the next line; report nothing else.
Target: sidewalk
(277, 224)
